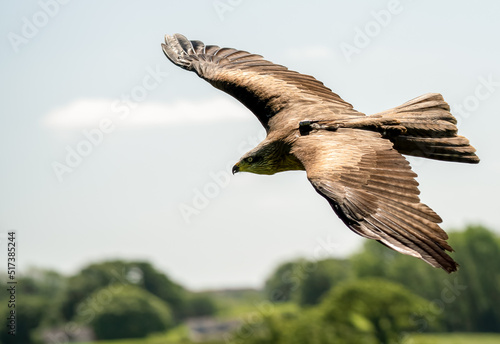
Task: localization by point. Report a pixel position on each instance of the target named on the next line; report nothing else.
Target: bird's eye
(249, 159)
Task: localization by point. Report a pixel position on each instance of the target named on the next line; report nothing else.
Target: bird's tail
(431, 130)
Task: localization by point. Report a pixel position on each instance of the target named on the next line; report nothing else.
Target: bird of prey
(353, 160)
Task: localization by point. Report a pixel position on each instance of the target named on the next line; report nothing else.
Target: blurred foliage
(355, 311)
(374, 296)
(200, 305)
(306, 281)
(231, 303)
(125, 311)
(140, 274)
(288, 328)
(41, 282)
(285, 281)
(375, 307)
(37, 304)
(319, 281)
(420, 338)
(467, 300)
(29, 314)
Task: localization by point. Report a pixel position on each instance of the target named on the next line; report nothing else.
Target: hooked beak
(236, 168)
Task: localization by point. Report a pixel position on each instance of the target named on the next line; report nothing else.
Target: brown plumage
(351, 159)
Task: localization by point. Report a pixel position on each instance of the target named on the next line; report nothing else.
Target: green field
(454, 338)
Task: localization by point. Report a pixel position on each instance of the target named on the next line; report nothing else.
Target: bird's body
(351, 159)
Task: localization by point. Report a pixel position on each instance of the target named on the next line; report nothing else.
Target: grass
(455, 338)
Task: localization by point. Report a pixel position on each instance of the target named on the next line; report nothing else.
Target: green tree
(368, 311)
(285, 280)
(305, 281)
(29, 313)
(374, 308)
(42, 282)
(125, 311)
(465, 299)
(140, 274)
(326, 274)
(37, 304)
(305, 326)
(199, 305)
(471, 298)
(376, 260)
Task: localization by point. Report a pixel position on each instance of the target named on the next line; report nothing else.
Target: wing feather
(198, 47)
(371, 187)
(264, 87)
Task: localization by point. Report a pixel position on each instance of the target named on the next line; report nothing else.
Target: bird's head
(267, 158)
(254, 163)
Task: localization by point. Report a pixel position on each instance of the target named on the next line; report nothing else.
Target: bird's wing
(262, 86)
(372, 188)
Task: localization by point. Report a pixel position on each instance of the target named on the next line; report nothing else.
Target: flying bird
(353, 160)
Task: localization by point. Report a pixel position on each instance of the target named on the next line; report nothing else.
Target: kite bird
(353, 160)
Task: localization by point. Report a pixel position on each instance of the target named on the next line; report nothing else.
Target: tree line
(374, 296)
(377, 294)
(116, 299)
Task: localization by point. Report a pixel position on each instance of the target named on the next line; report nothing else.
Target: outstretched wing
(372, 188)
(262, 86)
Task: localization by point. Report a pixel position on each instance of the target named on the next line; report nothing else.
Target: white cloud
(88, 112)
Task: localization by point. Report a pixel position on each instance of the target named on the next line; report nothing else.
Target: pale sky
(157, 143)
